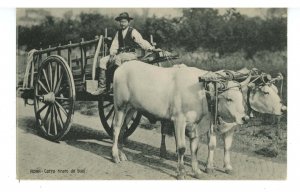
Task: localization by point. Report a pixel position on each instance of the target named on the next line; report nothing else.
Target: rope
(168, 58)
(252, 81)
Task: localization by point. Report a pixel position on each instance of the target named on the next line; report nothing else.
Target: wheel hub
(49, 98)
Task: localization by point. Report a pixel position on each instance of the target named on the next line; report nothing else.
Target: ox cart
(58, 76)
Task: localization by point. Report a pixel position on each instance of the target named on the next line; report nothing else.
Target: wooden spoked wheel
(54, 98)
(107, 115)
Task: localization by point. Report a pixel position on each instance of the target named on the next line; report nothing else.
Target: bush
(197, 28)
(266, 61)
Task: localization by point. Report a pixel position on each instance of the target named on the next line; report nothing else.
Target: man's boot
(101, 83)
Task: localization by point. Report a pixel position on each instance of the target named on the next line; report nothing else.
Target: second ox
(173, 94)
(260, 95)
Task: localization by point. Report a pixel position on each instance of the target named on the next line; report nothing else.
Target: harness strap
(216, 104)
(248, 100)
(212, 105)
(211, 108)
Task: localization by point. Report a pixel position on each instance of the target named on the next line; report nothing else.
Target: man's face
(124, 23)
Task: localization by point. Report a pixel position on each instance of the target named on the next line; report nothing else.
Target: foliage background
(196, 28)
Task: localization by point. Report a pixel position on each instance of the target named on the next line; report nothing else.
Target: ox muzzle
(245, 119)
(283, 109)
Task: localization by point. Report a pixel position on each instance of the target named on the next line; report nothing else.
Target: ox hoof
(116, 159)
(209, 170)
(163, 152)
(163, 155)
(229, 171)
(181, 173)
(122, 156)
(180, 177)
(198, 175)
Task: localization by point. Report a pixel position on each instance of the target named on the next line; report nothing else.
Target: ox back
(163, 92)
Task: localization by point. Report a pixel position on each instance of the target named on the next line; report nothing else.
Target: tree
(164, 31)
(196, 28)
(199, 28)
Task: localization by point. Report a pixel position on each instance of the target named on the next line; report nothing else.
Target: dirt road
(85, 153)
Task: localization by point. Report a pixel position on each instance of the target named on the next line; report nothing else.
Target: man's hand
(111, 58)
(111, 61)
(157, 50)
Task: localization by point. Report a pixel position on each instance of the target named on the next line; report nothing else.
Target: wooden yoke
(214, 78)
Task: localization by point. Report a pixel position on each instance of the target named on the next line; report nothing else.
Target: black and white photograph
(151, 93)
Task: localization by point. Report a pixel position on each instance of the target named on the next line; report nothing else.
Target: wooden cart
(56, 77)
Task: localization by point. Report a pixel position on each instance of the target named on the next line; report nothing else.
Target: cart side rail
(79, 62)
(34, 58)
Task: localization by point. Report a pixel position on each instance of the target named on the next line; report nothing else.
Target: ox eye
(229, 99)
(266, 93)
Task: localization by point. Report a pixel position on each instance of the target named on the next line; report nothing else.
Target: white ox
(173, 94)
(260, 97)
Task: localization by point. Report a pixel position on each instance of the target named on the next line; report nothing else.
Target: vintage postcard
(151, 93)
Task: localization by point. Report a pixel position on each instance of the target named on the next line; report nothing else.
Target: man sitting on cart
(122, 49)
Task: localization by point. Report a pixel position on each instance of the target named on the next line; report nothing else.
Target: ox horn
(279, 77)
(266, 78)
(246, 81)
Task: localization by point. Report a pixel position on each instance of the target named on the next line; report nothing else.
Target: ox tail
(121, 91)
(180, 125)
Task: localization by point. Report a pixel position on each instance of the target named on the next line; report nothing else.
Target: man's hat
(123, 15)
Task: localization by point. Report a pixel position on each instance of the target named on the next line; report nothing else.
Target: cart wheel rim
(54, 98)
(107, 115)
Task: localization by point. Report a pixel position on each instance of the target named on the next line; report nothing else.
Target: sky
(159, 12)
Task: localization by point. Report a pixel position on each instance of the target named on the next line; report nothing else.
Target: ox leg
(121, 139)
(194, 144)
(212, 143)
(163, 148)
(118, 121)
(165, 128)
(180, 124)
(227, 137)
